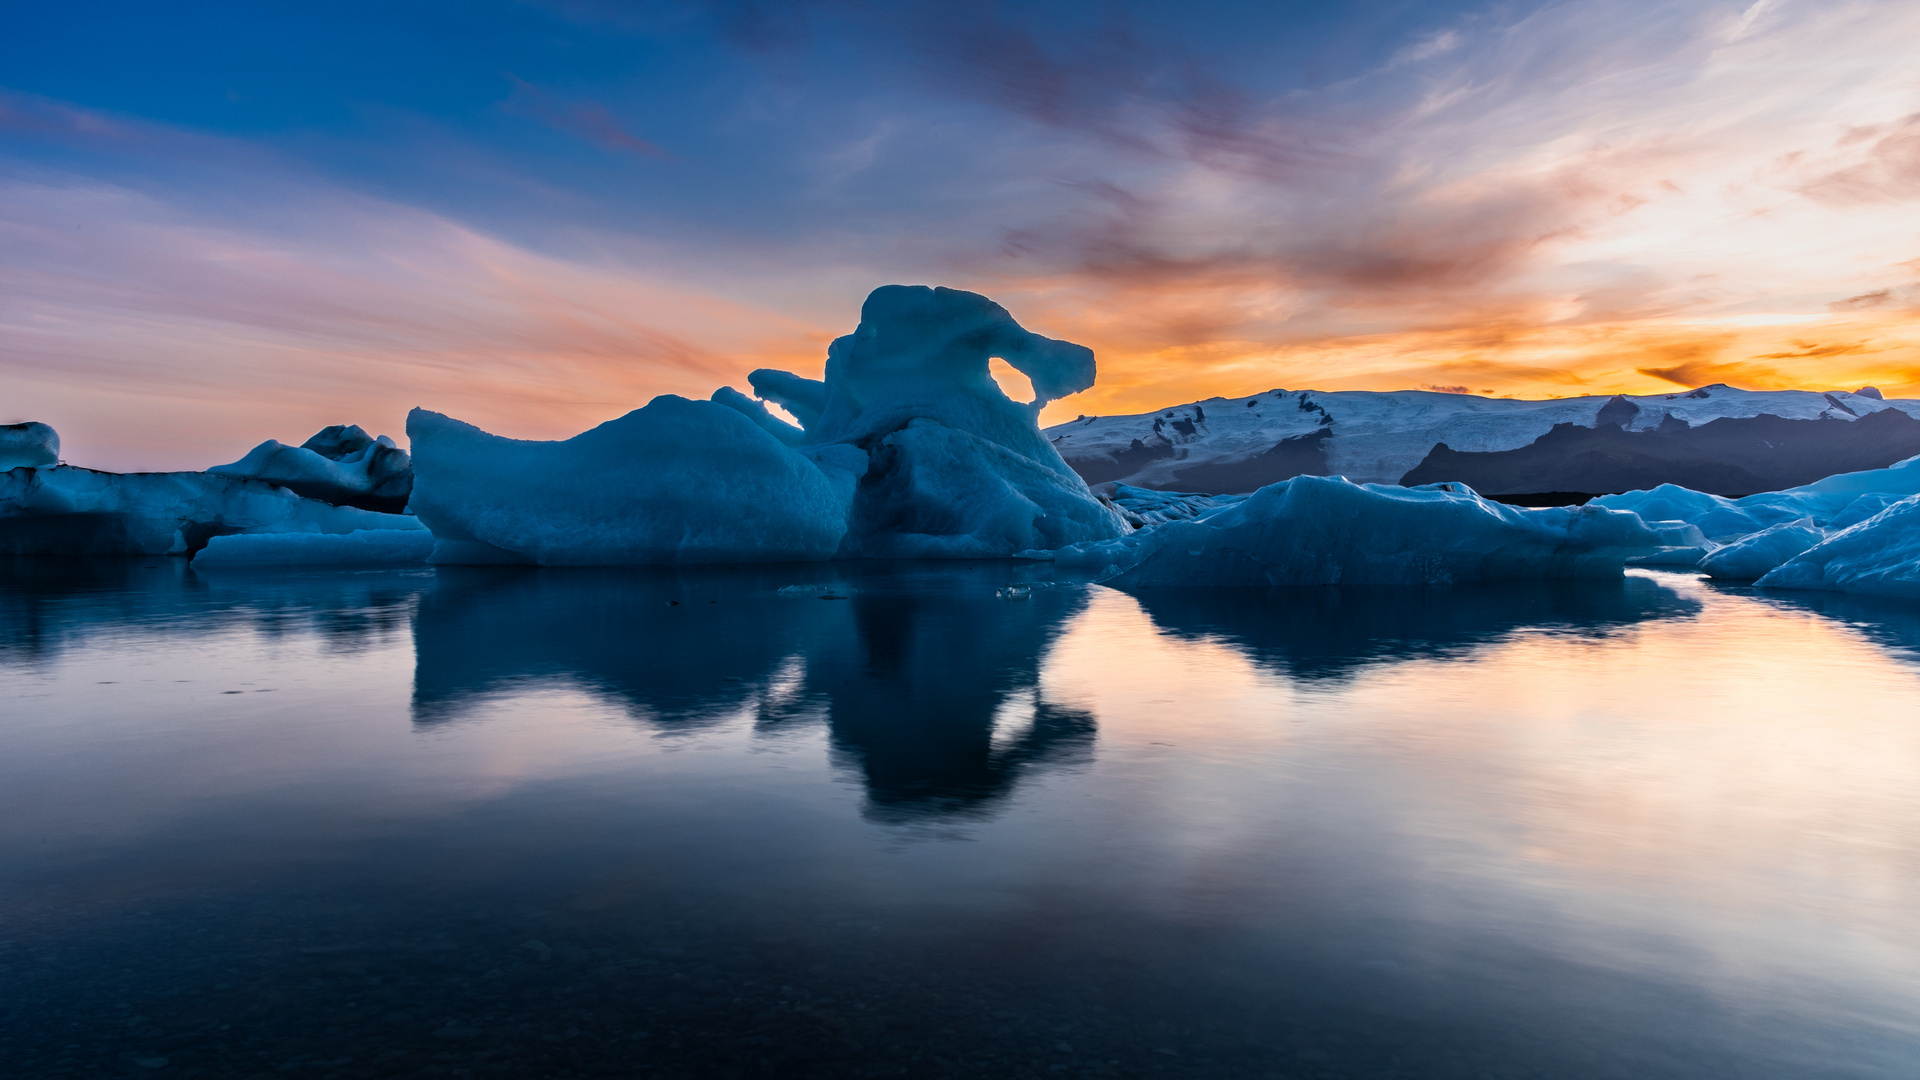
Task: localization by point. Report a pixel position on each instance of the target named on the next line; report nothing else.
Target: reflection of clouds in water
(929, 689)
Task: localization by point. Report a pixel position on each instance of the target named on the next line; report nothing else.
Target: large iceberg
(1879, 556)
(907, 448)
(1314, 530)
(341, 464)
(676, 482)
(63, 510)
(29, 445)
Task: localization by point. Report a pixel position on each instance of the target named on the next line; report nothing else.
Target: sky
(227, 222)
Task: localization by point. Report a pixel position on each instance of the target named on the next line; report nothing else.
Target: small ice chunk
(28, 446)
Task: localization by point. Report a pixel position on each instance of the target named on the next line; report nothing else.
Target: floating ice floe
(341, 464)
(1879, 556)
(907, 448)
(29, 445)
(1313, 530)
(362, 547)
(63, 510)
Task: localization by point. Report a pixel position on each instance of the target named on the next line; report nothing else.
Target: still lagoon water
(898, 820)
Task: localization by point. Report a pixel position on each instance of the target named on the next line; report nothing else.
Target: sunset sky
(225, 222)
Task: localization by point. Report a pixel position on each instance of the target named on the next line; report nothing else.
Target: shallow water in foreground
(545, 823)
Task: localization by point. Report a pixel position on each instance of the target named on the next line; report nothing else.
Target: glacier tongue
(1313, 530)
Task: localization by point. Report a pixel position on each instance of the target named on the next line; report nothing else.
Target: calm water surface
(887, 823)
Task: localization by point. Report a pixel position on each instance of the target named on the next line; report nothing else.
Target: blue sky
(228, 222)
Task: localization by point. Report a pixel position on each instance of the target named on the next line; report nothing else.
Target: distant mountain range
(1714, 438)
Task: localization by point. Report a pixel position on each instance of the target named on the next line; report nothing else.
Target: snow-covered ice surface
(909, 450)
(1877, 557)
(1752, 556)
(362, 547)
(30, 445)
(1239, 444)
(1325, 530)
(63, 510)
(341, 464)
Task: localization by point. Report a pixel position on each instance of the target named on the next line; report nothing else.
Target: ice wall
(1879, 556)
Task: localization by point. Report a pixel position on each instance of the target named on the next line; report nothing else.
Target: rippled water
(888, 822)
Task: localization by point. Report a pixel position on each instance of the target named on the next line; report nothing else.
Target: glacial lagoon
(941, 819)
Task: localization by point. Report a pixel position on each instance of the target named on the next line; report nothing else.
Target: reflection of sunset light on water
(1729, 798)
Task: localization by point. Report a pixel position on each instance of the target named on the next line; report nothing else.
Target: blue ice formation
(341, 464)
(907, 448)
(1844, 497)
(362, 547)
(63, 510)
(1879, 556)
(29, 446)
(1752, 556)
(1317, 530)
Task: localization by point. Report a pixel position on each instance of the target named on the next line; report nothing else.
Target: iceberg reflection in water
(840, 820)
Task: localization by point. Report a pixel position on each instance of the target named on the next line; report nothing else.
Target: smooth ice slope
(362, 547)
(1752, 556)
(1879, 556)
(676, 482)
(1325, 530)
(955, 468)
(30, 445)
(63, 510)
(341, 464)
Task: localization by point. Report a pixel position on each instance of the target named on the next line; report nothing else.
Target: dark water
(524, 823)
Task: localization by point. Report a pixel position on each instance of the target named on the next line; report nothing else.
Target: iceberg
(1879, 556)
(1823, 501)
(1752, 556)
(1144, 506)
(362, 547)
(1314, 530)
(675, 482)
(906, 449)
(29, 445)
(956, 469)
(64, 510)
(341, 464)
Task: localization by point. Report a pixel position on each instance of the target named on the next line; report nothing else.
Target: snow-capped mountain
(1714, 438)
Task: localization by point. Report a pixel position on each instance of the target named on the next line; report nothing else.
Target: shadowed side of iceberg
(1315, 530)
(1877, 557)
(676, 482)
